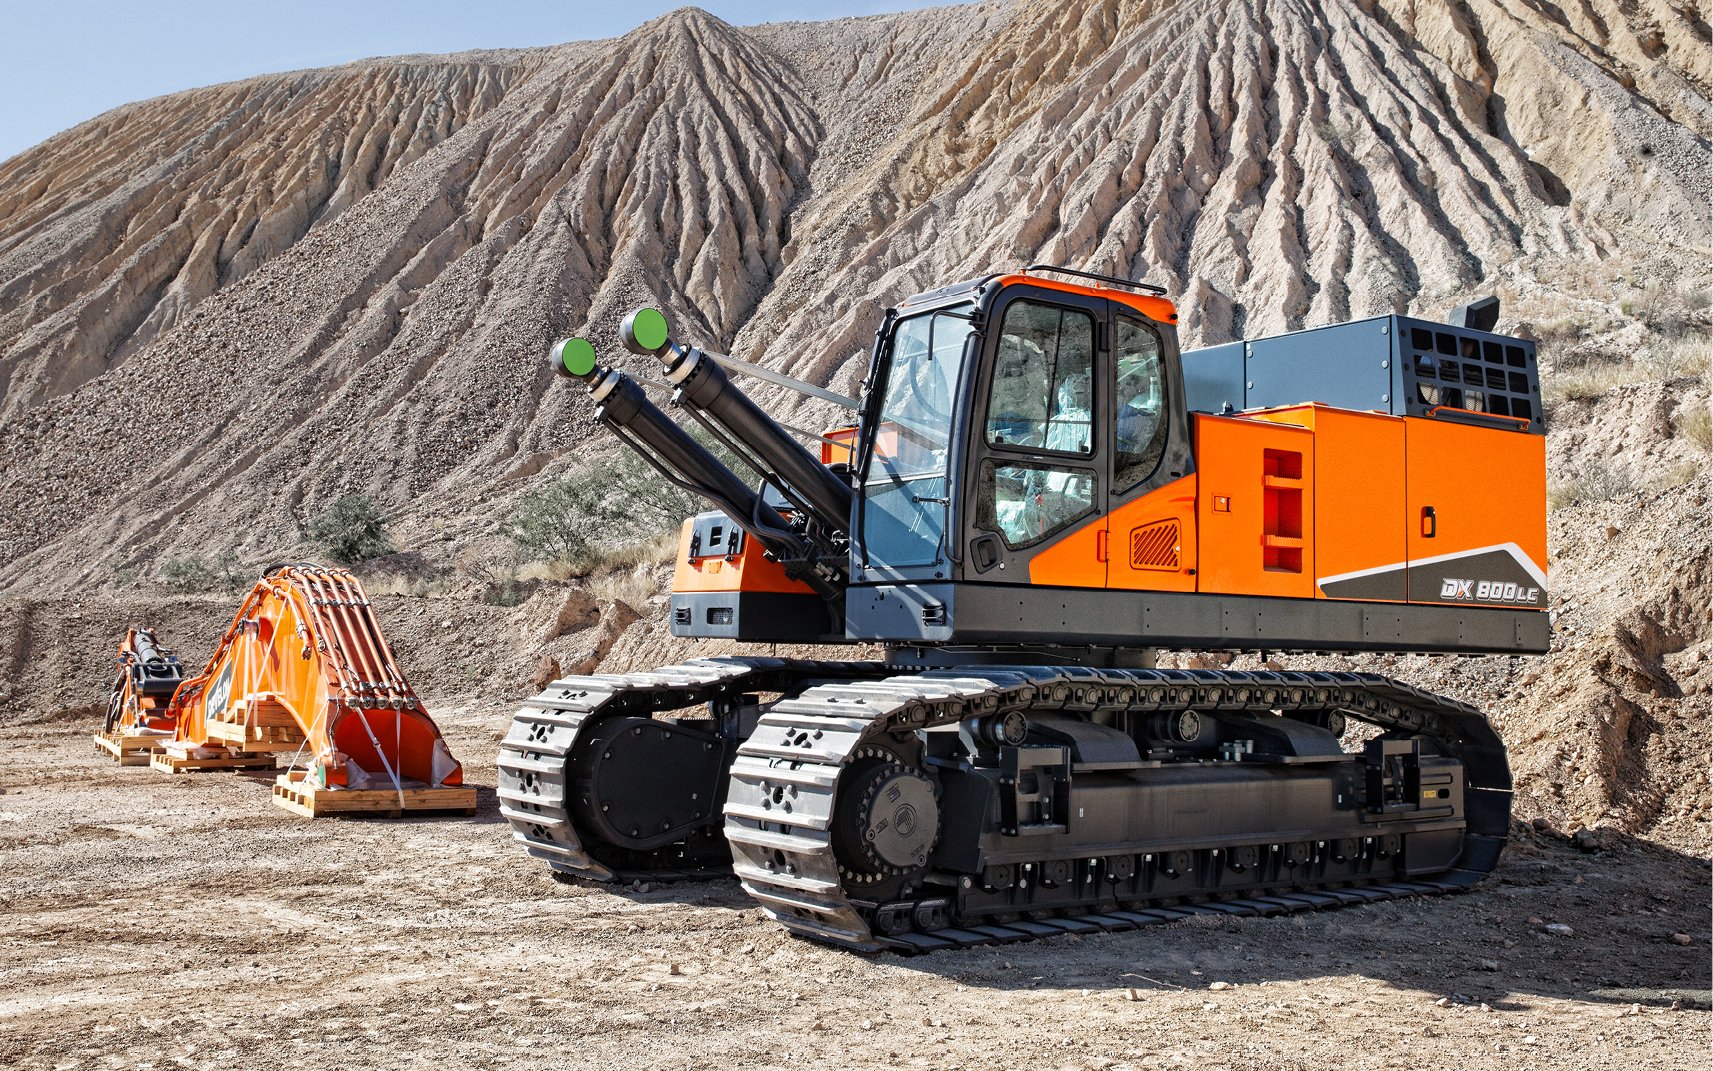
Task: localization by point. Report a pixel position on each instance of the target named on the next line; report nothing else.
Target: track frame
(789, 759)
(786, 780)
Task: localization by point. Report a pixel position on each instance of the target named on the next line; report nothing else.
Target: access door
(1037, 474)
(1151, 505)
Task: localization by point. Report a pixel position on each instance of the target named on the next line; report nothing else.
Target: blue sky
(64, 61)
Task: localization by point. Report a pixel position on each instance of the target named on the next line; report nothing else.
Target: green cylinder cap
(648, 327)
(576, 356)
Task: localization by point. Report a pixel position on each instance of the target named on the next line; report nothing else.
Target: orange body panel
(1358, 490)
(1487, 488)
(747, 570)
(1148, 544)
(306, 645)
(1312, 501)
(838, 452)
(1255, 508)
(1077, 560)
(1152, 540)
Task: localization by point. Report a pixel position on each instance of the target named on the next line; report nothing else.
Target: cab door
(1038, 472)
(1151, 507)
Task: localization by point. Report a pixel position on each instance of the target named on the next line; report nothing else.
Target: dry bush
(633, 586)
(1559, 331)
(651, 553)
(1695, 423)
(1676, 475)
(558, 571)
(1584, 383)
(1677, 356)
(1594, 481)
(195, 575)
(630, 573)
(1669, 358)
(1665, 308)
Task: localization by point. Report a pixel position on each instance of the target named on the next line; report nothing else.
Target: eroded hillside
(224, 307)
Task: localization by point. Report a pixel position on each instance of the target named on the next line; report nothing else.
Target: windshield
(904, 509)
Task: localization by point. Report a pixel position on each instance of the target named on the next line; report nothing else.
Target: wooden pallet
(168, 762)
(257, 724)
(301, 796)
(129, 750)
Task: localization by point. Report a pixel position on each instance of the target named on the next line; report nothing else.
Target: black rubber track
(534, 779)
(785, 781)
(786, 863)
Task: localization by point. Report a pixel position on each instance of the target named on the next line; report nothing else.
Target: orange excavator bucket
(305, 671)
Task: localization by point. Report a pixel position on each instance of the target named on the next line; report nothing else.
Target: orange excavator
(302, 670)
(1042, 492)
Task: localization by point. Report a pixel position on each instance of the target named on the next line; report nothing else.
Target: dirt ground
(153, 921)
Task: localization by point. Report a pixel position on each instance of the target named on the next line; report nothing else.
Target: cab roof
(1156, 308)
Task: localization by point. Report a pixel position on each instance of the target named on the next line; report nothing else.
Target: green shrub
(352, 530)
(598, 513)
(193, 574)
(552, 523)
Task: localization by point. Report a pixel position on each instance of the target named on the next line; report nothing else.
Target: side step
(306, 798)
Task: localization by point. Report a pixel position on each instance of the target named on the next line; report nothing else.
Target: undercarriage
(877, 809)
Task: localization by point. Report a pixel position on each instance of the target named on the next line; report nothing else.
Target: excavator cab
(1018, 406)
(1007, 417)
(1041, 475)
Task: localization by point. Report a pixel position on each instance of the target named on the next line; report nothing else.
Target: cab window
(1043, 380)
(1141, 418)
(1027, 502)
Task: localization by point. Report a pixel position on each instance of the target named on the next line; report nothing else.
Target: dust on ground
(154, 920)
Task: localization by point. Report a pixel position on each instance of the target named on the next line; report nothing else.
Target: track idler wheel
(887, 822)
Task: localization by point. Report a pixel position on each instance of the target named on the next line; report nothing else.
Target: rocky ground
(161, 921)
(155, 920)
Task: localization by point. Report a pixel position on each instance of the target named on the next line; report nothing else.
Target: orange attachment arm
(145, 677)
(304, 663)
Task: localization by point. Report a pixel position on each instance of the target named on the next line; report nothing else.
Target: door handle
(1430, 523)
(1100, 545)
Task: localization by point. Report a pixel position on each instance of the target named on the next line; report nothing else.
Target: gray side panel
(907, 613)
(1213, 378)
(1396, 364)
(1347, 365)
(1381, 585)
(1000, 614)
